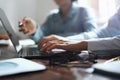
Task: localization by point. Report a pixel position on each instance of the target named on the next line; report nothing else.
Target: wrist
(83, 45)
(35, 28)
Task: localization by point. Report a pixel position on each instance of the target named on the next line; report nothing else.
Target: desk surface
(56, 73)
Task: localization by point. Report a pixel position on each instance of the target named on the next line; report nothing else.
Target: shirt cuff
(100, 44)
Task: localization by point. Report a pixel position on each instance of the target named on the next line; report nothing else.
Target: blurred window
(104, 9)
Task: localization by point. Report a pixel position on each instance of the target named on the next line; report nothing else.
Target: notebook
(19, 65)
(26, 52)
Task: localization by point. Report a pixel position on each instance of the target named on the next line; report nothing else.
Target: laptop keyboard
(30, 52)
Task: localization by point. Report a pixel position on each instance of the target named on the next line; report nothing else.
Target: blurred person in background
(68, 19)
(106, 38)
(111, 29)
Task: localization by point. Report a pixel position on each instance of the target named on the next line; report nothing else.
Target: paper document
(5, 42)
(26, 42)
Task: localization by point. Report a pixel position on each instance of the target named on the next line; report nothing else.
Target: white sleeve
(104, 44)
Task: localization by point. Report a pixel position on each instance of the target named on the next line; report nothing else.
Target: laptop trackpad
(7, 66)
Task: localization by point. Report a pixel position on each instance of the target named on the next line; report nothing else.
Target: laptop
(17, 66)
(111, 68)
(25, 52)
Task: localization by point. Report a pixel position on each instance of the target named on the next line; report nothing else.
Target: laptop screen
(8, 28)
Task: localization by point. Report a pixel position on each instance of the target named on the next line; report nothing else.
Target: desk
(58, 73)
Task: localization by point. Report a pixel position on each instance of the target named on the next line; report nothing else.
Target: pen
(113, 59)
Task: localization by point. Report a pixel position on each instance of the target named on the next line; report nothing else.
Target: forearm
(77, 47)
(83, 45)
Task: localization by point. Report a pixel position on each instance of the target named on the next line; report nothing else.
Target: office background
(17, 9)
(39, 9)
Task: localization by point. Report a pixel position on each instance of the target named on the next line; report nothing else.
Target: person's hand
(27, 26)
(68, 46)
(46, 39)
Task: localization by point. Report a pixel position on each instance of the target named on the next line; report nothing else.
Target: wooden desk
(56, 73)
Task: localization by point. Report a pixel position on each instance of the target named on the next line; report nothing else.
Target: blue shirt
(78, 20)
